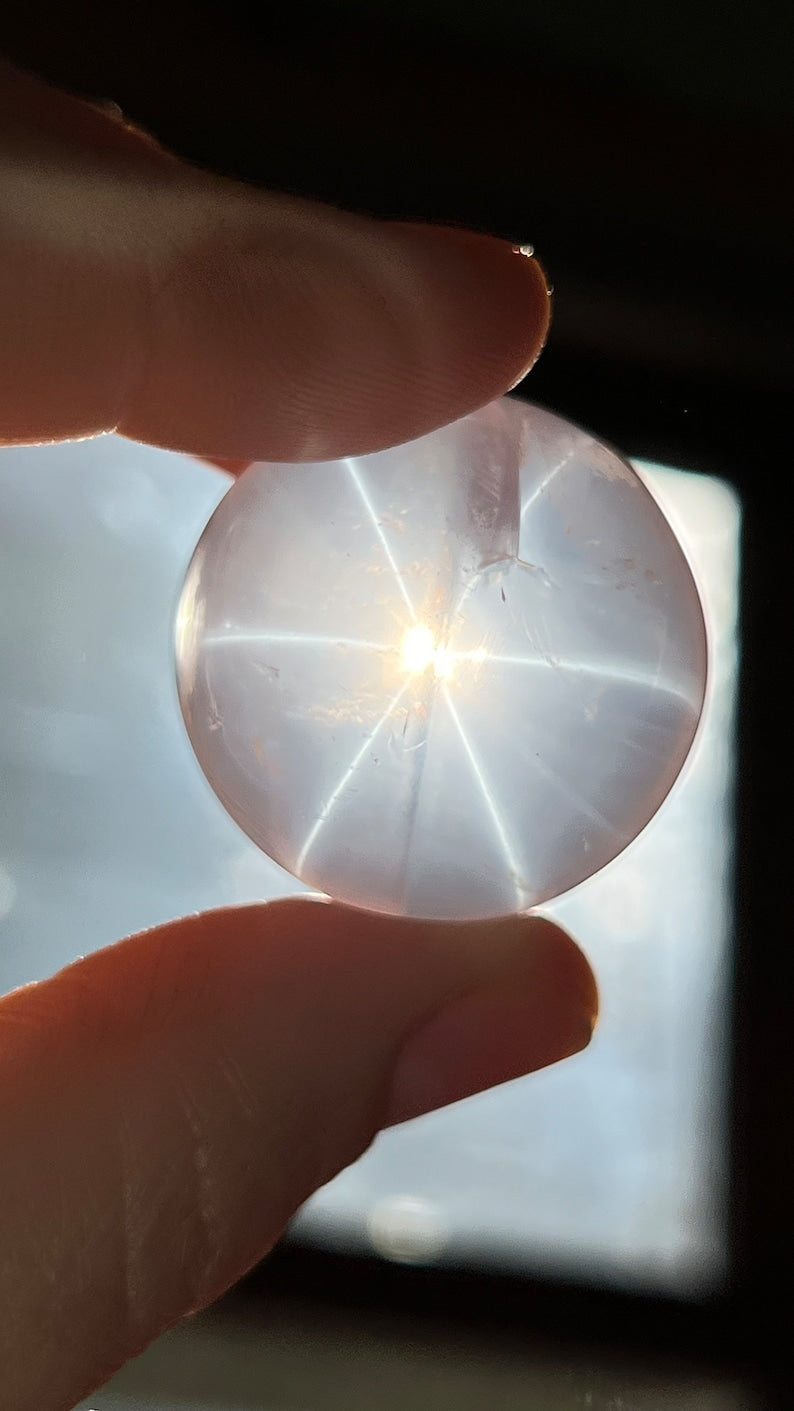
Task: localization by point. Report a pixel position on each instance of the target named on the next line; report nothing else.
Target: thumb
(168, 1103)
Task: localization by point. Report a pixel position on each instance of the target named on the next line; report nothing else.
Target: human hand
(167, 1103)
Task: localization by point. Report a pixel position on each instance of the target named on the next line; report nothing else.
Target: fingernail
(483, 1039)
(543, 282)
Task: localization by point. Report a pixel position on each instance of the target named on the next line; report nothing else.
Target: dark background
(647, 154)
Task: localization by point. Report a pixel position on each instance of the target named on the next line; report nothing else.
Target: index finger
(141, 295)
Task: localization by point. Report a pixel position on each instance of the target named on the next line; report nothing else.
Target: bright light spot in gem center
(420, 651)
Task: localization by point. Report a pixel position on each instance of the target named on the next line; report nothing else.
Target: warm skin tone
(167, 1103)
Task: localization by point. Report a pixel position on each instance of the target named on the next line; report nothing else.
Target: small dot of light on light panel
(8, 891)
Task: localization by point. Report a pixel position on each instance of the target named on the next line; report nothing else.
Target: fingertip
(493, 302)
(536, 1007)
(572, 971)
(334, 336)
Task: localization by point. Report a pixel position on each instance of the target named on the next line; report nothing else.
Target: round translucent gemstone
(451, 679)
